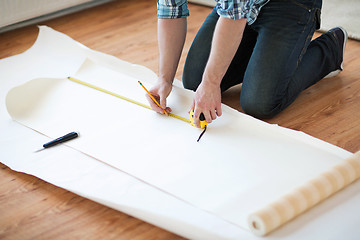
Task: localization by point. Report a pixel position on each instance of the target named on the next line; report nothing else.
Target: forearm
(226, 40)
(171, 38)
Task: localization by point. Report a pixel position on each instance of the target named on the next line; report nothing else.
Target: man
(263, 44)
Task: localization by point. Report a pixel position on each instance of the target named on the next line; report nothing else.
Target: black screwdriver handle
(62, 139)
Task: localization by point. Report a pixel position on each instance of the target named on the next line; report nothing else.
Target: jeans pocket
(289, 12)
(307, 5)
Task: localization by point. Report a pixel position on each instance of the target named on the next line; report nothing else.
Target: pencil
(153, 98)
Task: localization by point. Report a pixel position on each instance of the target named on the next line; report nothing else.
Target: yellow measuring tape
(124, 98)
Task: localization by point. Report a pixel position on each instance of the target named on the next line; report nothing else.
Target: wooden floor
(33, 209)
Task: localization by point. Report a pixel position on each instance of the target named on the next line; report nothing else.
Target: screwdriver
(62, 139)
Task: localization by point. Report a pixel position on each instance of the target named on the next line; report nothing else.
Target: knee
(258, 109)
(192, 74)
(188, 81)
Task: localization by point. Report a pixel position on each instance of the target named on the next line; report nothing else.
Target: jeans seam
(303, 50)
(309, 36)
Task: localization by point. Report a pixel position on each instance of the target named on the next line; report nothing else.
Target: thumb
(162, 102)
(192, 105)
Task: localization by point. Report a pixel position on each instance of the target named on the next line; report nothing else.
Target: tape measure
(203, 123)
(124, 98)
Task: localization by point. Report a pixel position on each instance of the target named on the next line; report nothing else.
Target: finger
(192, 106)
(213, 114)
(168, 109)
(218, 111)
(153, 105)
(208, 117)
(163, 102)
(197, 113)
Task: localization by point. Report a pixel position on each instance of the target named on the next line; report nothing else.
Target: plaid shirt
(233, 9)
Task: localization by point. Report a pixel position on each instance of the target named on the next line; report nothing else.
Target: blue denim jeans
(276, 58)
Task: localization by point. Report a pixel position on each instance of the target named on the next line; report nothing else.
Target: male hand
(207, 100)
(160, 92)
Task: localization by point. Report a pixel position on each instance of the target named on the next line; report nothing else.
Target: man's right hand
(160, 92)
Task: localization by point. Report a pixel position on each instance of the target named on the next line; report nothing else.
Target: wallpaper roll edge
(305, 197)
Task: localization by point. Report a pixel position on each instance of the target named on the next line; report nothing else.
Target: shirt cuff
(230, 10)
(167, 9)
